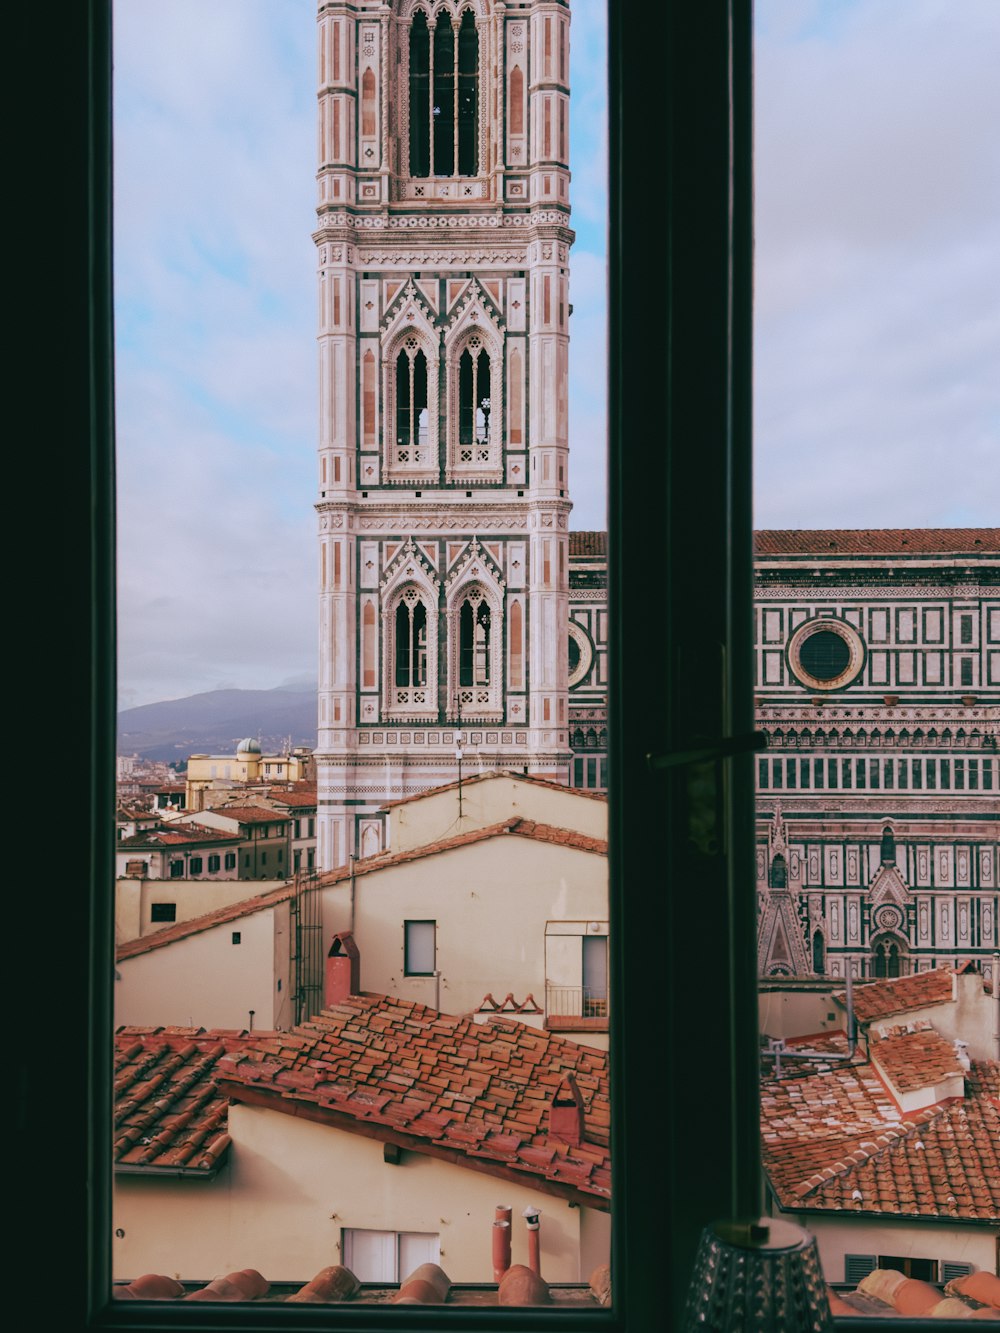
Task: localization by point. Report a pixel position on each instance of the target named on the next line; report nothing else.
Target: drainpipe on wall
(351, 925)
(996, 1009)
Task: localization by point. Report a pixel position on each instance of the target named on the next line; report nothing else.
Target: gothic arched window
(412, 423)
(411, 641)
(410, 661)
(474, 402)
(475, 670)
(444, 95)
(779, 873)
(474, 640)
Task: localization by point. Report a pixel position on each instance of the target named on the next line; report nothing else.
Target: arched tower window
(420, 97)
(474, 644)
(444, 95)
(475, 661)
(888, 846)
(474, 402)
(411, 641)
(779, 873)
(411, 403)
(410, 659)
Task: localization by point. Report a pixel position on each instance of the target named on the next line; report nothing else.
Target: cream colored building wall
(838, 1236)
(207, 981)
(290, 1188)
(491, 901)
(434, 816)
(193, 898)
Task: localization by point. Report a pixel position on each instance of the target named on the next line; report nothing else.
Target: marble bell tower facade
(443, 256)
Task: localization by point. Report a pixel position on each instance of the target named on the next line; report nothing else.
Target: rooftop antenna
(458, 749)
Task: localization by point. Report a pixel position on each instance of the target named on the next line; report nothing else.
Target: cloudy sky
(878, 302)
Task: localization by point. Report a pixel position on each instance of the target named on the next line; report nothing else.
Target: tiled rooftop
(915, 1059)
(885, 1292)
(879, 999)
(588, 543)
(833, 1131)
(169, 1114)
(845, 541)
(427, 1285)
(447, 1086)
(184, 835)
(877, 541)
(251, 814)
(294, 799)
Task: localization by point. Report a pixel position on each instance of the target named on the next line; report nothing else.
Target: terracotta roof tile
(917, 1059)
(588, 543)
(251, 814)
(168, 1112)
(177, 835)
(362, 1044)
(879, 999)
(835, 1138)
(427, 1284)
(877, 541)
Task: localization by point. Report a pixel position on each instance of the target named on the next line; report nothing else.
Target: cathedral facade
(443, 253)
(877, 684)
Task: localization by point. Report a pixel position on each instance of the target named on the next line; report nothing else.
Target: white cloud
(877, 338)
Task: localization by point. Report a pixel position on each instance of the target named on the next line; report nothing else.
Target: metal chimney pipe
(531, 1215)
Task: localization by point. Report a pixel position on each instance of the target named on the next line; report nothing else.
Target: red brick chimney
(343, 969)
(566, 1112)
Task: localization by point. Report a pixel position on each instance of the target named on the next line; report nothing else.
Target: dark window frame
(408, 971)
(687, 69)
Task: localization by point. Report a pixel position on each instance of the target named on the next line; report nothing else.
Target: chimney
(501, 1241)
(531, 1214)
(343, 969)
(566, 1112)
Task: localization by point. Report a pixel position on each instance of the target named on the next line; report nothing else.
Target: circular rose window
(826, 654)
(581, 654)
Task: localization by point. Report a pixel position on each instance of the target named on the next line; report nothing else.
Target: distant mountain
(213, 722)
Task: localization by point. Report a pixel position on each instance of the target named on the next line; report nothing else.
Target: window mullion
(456, 28)
(431, 41)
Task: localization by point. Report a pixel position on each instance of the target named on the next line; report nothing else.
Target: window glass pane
(873, 257)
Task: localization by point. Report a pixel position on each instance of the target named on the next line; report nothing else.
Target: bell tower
(443, 254)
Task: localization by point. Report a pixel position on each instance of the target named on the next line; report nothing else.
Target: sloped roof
(521, 828)
(830, 1131)
(169, 1115)
(876, 541)
(473, 1093)
(915, 1059)
(880, 999)
(250, 814)
(530, 778)
(177, 835)
(220, 916)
